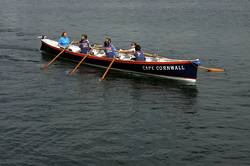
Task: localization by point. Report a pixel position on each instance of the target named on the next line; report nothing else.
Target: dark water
(50, 118)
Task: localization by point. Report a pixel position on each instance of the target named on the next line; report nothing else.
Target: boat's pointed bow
(196, 62)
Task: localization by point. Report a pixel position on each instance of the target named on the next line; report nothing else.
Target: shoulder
(112, 46)
(60, 40)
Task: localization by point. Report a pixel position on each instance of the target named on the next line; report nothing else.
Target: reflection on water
(135, 89)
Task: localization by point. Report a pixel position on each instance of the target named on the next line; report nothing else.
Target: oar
(151, 55)
(106, 72)
(212, 69)
(72, 72)
(47, 65)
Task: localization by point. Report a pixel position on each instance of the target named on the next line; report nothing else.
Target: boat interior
(122, 56)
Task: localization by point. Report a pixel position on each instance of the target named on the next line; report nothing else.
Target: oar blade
(215, 70)
(77, 66)
(71, 72)
(44, 66)
(106, 72)
(212, 69)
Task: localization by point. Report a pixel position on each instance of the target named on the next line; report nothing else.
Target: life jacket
(64, 41)
(85, 46)
(139, 56)
(110, 51)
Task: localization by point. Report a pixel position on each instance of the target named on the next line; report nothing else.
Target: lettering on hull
(157, 68)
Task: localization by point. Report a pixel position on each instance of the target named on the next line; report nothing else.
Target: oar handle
(106, 72)
(151, 55)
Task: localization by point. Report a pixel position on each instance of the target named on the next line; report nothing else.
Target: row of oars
(77, 66)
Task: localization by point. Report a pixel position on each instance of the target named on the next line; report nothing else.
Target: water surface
(50, 118)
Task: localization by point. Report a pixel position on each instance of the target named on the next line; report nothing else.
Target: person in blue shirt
(64, 40)
(84, 44)
(109, 49)
(139, 55)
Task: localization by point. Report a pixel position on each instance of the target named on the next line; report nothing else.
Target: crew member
(63, 40)
(139, 55)
(109, 49)
(84, 44)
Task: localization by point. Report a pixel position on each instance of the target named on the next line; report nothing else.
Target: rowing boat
(156, 66)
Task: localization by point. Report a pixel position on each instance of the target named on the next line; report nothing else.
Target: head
(108, 39)
(133, 44)
(84, 37)
(106, 43)
(64, 34)
(137, 47)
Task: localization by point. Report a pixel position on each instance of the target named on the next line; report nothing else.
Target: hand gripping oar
(72, 72)
(47, 65)
(212, 69)
(106, 72)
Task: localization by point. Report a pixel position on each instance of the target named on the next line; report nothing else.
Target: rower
(84, 44)
(63, 40)
(109, 49)
(139, 55)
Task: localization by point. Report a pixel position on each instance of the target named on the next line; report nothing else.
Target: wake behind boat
(156, 66)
